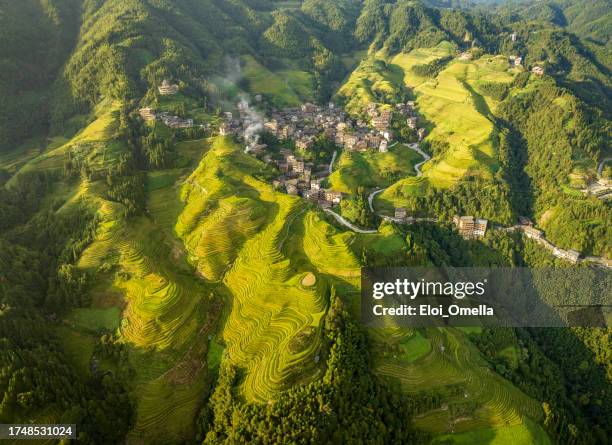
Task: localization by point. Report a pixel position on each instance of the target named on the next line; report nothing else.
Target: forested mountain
(156, 286)
(127, 47)
(37, 37)
(590, 20)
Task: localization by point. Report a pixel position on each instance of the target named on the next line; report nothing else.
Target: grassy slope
(372, 169)
(285, 87)
(454, 93)
(373, 81)
(258, 245)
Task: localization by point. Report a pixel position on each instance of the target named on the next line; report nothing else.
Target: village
(302, 126)
(372, 132)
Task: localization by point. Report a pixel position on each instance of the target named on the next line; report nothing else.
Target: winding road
(601, 166)
(417, 168)
(372, 195)
(602, 262)
(346, 223)
(331, 164)
(426, 158)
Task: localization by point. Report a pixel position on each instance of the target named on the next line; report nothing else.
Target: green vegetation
(374, 81)
(155, 288)
(524, 434)
(372, 169)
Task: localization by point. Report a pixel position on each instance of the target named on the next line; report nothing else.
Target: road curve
(331, 164)
(346, 223)
(417, 168)
(426, 158)
(603, 262)
(601, 166)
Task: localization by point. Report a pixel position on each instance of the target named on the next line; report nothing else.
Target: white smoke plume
(233, 70)
(253, 124)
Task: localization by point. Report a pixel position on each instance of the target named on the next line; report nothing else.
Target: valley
(182, 231)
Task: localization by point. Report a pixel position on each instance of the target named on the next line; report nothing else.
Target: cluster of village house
(149, 114)
(471, 228)
(302, 125)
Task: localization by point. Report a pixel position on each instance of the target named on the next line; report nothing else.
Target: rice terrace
(191, 192)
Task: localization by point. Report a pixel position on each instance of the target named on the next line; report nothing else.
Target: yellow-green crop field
(219, 253)
(457, 116)
(372, 169)
(373, 81)
(287, 87)
(258, 245)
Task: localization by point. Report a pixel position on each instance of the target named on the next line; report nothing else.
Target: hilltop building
(470, 227)
(332, 196)
(147, 114)
(167, 89)
(570, 255)
(538, 70)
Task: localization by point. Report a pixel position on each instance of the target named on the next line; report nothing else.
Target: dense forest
(66, 63)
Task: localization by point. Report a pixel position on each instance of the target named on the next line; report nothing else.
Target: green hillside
(158, 286)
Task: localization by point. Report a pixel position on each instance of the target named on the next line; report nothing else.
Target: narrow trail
(331, 164)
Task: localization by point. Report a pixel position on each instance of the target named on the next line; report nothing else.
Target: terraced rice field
(374, 81)
(13, 160)
(232, 235)
(421, 56)
(526, 433)
(93, 143)
(471, 140)
(455, 361)
(144, 291)
(241, 233)
(163, 313)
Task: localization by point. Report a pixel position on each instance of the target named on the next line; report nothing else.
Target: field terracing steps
(269, 308)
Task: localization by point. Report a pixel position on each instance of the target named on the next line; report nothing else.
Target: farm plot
(373, 170)
(453, 360)
(238, 231)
